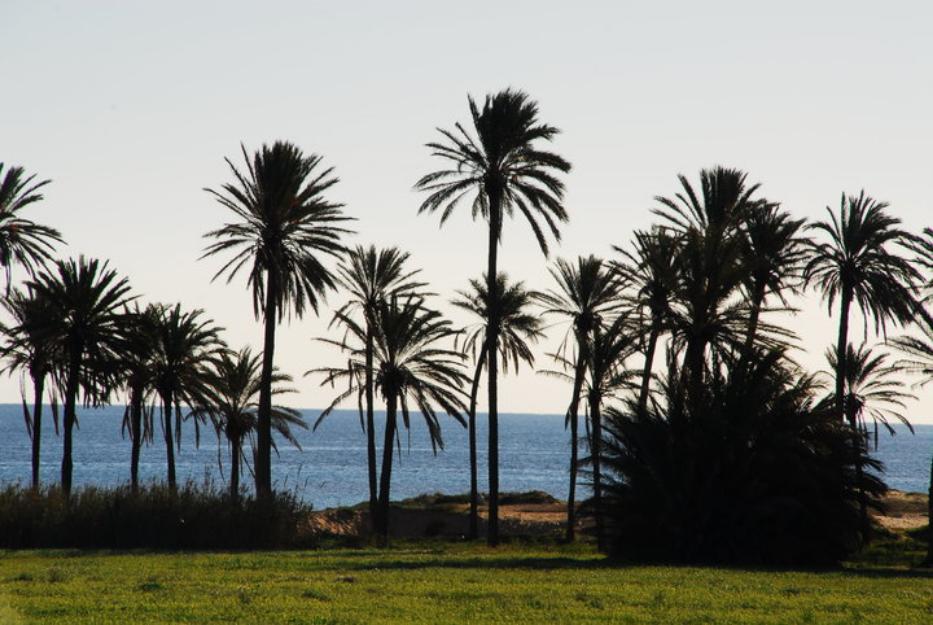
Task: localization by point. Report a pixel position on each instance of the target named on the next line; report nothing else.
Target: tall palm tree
(185, 344)
(138, 346)
(709, 223)
(588, 294)
(285, 228)
(233, 401)
(371, 276)
(858, 263)
(22, 241)
(89, 298)
(503, 167)
(773, 251)
(518, 327)
(650, 271)
(414, 370)
(25, 350)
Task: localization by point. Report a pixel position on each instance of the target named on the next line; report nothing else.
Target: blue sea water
(330, 469)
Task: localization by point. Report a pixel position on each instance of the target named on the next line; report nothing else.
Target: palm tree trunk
(929, 558)
(71, 398)
(136, 435)
(474, 488)
(751, 332)
(842, 349)
(235, 450)
(370, 424)
(38, 384)
(574, 421)
(595, 452)
(649, 363)
(169, 440)
(492, 348)
(264, 416)
(385, 479)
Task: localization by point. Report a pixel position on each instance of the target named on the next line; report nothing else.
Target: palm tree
(139, 343)
(588, 293)
(517, 328)
(233, 401)
(918, 360)
(185, 343)
(650, 271)
(505, 170)
(86, 327)
(709, 264)
(414, 371)
(611, 347)
(859, 265)
(371, 276)
(773, 252)
(25, 350)
(284, 228)
(22, 241)
(872, 391)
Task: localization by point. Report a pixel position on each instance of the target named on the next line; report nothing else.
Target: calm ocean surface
(330, 469)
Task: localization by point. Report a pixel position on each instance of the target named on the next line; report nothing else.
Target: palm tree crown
(22, 241)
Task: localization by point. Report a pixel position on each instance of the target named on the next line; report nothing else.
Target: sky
(131, 107)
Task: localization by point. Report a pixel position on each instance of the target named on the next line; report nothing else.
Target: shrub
(154, 518)
(754, 471)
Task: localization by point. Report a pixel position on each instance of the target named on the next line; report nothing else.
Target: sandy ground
(904, 511)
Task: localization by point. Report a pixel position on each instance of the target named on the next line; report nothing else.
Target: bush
(154, 518)
(754, 470)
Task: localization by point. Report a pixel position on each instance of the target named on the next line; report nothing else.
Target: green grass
(443, 584)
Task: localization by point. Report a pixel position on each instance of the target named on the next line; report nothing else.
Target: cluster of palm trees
(702, 288)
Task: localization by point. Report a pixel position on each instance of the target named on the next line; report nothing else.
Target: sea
(330, 467)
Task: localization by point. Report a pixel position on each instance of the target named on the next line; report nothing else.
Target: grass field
(443, 584)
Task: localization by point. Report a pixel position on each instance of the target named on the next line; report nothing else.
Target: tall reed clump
(194, 517)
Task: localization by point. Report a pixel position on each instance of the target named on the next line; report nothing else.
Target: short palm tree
(858, 263)
(139, 342)
(22, 241)
(414, 371)
(650, 274)
(503, 167)
(518, 328)
(588, 295)
(89, 300)
(369, 277)
(25, 350)
(185, 343)
(285, 227)
(233, 401)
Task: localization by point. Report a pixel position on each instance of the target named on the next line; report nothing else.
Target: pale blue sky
(130, 108)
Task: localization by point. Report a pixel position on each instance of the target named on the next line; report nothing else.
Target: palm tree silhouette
(650, 273)
(773, 251)
(89, 297)
(414, 371)
(588, 294)
(506, 171)
(185, 344)
(22, 241)
(371, 276)
(233, 401)
(24, 349)
(858, 264)
(517, 328)
(709, 264)
(285, 228)
(139, 341)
